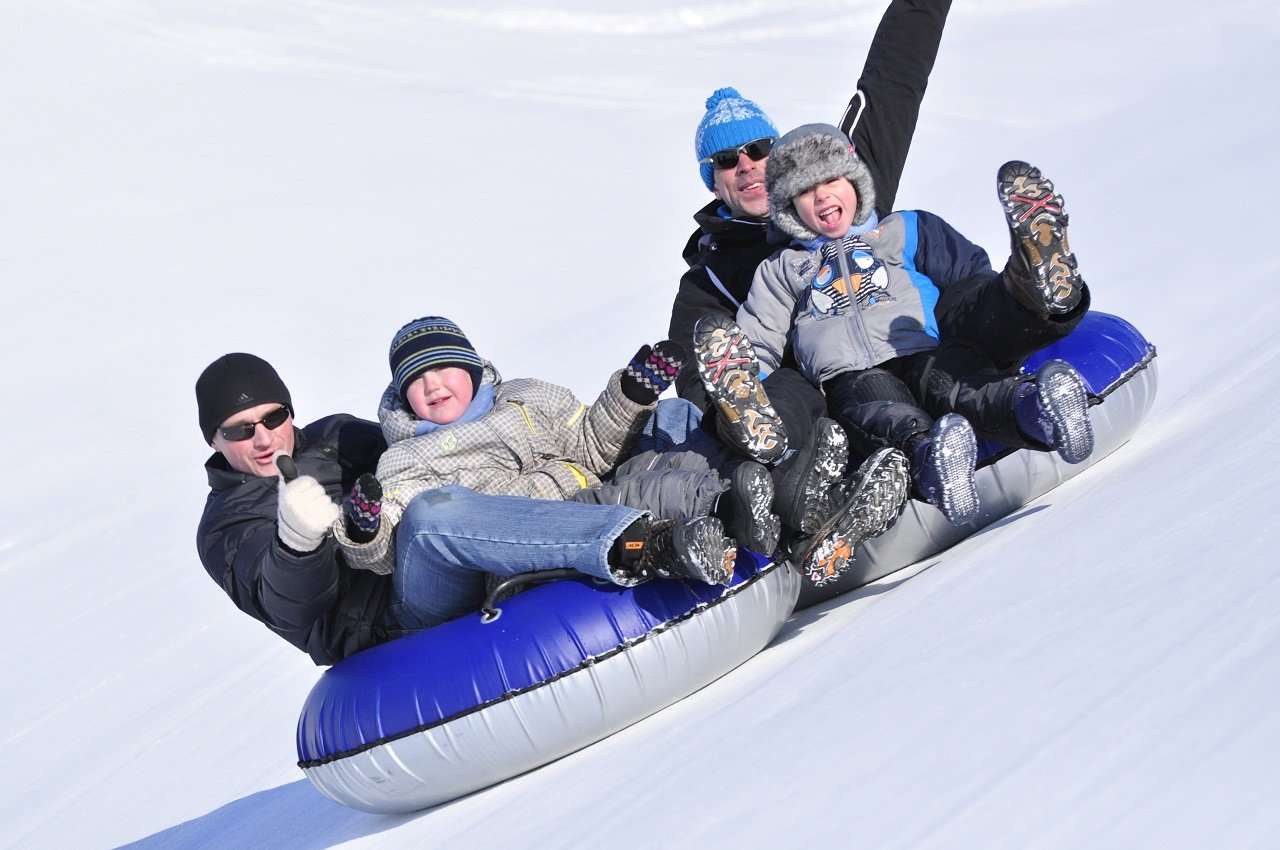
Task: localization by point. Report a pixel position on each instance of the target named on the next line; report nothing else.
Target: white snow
(300, 177)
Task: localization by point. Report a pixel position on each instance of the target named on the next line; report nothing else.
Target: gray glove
(304, 511)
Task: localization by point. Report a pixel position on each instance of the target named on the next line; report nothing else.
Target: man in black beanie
(246, 413)
(267, 543)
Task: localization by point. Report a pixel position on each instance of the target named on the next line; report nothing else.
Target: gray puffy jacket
(853, 303)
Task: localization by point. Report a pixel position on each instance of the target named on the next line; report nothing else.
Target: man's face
(257, 454)
(742, 188)
(440, 395)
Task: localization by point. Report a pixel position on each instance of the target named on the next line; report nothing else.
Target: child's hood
(400, 423)
(804, 157)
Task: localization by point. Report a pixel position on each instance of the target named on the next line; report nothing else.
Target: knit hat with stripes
(431, 342)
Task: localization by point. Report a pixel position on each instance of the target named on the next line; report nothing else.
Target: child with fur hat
(451, 421)
(853, 297)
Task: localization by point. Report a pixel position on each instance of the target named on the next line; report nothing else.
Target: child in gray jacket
(852, 298)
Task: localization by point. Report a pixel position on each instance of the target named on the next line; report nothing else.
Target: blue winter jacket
(853, 303)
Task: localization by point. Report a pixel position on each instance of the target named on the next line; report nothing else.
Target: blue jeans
(449, 539)
(675, 424)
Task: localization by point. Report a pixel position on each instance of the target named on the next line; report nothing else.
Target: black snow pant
(985, 335)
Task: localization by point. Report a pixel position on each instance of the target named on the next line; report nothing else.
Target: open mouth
(830, 216)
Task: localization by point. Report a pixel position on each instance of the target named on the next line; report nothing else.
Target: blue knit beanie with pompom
(730, 121)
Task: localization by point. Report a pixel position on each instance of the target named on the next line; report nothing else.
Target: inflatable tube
(1117, 364)
(438, 714)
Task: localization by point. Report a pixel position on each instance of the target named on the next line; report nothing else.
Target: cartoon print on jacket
(867, 281)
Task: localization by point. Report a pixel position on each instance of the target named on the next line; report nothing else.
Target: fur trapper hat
(806, 156)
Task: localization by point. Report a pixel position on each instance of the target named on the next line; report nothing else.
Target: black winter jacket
(723, 254)
(314, 600)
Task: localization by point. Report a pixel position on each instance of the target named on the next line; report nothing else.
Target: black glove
(362, 509)
(652, 370)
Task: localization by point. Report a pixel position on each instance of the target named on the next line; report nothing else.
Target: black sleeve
(881, 117)
(360, 444)
(944, 255)
(288, 591)
(696, 298)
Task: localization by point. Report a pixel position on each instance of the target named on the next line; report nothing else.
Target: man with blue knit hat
(779, 418)
(984, 322)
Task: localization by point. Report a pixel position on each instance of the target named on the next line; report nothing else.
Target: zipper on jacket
(528, 421)
(578, 474)
(865, 341)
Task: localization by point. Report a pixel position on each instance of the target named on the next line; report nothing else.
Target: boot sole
(1065, 401)
(752, 488)
(729, 370)
(1038, 222)
(875, 505)
(705, 554)
(954, 457)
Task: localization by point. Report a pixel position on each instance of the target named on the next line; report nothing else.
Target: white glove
(304, 514)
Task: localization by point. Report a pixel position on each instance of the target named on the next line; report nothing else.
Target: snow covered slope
(298, 178)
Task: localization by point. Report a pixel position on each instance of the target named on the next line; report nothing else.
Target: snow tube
(438, 714)
(1118, 366)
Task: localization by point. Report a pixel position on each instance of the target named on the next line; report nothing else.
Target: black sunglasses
(244, 430)
(755, 150)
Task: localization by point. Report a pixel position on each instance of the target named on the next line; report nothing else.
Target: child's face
(441, 395)
(828, 208)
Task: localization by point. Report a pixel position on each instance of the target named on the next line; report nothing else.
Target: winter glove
(304, 510)
(652, 370)
(362, 509)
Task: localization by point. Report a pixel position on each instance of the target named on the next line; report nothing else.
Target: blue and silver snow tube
(1118, 366)
(469, 703)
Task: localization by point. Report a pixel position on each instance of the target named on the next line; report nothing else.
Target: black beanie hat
(236, 382)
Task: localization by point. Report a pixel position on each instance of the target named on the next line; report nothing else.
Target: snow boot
(944, 468)
(1054, 410)
(666, 548)
(730, 372)
(870, 503)
(746, 509)
(1041, 272)
(805, 479)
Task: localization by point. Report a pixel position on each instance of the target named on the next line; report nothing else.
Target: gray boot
(868, 504)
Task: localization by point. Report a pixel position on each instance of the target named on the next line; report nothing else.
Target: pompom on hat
(729, 122)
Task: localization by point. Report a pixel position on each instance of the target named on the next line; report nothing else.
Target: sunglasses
(245, 430)
(728, 158)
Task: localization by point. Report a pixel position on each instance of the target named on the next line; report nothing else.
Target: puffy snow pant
(675, 470)
(985, 335)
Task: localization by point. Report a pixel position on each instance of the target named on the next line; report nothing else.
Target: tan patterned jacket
(538, 441)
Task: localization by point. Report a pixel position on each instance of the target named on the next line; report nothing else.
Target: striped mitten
(652, 370)
(362, 509)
